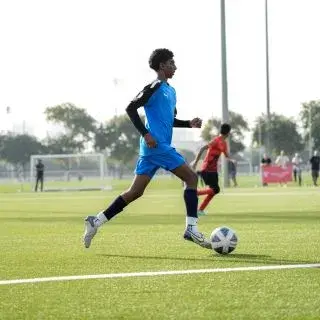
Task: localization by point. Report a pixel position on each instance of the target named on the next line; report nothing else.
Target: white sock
(100, 219)
(192, 221)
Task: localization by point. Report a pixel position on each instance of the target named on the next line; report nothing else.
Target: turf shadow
(230, 258)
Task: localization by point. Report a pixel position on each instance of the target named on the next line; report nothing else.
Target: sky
(95, 54)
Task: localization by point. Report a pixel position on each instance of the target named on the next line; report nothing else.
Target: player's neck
(162, 77)
(223, 136)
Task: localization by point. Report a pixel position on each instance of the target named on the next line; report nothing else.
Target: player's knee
(216, 189)
(132, 194)
(192, 180)
(137, 194)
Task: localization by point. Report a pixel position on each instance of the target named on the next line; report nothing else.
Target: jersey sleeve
(212, 144)
(180, 123)
(140, 100)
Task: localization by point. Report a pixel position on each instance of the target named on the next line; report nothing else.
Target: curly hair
(158, 56)
(225, 128)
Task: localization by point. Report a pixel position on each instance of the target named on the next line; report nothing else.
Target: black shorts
(210, 179)
(315, 173)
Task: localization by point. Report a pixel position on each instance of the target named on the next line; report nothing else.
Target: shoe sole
(203, 243)
(87, 224)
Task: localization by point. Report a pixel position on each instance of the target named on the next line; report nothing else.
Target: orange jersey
(217, 146)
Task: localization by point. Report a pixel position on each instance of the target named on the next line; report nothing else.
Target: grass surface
(41, 233)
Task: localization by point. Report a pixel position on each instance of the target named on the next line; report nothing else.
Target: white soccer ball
(224, 240)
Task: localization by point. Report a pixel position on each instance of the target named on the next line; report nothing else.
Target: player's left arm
(194, 123)
(227, 155)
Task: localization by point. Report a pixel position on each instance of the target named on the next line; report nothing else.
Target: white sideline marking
(158, 273)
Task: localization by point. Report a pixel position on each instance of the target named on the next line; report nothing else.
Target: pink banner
(276, 174)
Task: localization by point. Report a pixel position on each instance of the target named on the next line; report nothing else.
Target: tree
(17, 149)
(119, 138)
(79, 126)
(238, 126)
(62, 145)
(314, 108)
(283, 134)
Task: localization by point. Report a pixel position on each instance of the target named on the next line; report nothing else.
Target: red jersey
(217, 146)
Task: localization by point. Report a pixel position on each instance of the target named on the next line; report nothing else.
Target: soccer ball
(224, 240)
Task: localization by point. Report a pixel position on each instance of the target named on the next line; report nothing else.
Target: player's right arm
(198, 156)
(132, 110)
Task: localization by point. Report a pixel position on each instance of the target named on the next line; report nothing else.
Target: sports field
(40, 237)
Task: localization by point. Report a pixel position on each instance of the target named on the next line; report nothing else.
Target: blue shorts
(149, 165)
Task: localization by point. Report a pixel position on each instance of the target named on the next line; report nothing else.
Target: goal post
(81, 171)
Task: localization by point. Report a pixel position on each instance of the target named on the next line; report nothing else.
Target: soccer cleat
(197, 237)
(90, 230)
(201, 213)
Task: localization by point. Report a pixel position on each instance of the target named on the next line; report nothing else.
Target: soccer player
(209, 168)
(315, 166)
(232, 167)
(159, 102)
(39, 175)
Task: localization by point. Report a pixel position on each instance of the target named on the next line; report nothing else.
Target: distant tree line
(118, 138)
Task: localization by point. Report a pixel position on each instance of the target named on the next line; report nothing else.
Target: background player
(39, 175)
(209, 168)
(159, 101)
(232, 168)
(315, 166)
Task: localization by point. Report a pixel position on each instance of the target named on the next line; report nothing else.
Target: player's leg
(316, 176)
(295, 175)
(300, 177)
(179, 168)
(211, 179)
(206, 191)
(144, 173)
(234, 178)
(41, 183)
(36, 186)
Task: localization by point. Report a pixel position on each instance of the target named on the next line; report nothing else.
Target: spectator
(315, 166)
(232, 168)
(282, 161)
(265, 161)
(296, 162)
(39, 175)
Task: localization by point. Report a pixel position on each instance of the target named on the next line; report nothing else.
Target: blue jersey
(160, 113)
(159, 102)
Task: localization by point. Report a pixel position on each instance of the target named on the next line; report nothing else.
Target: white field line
(158, 273)
(161, 195)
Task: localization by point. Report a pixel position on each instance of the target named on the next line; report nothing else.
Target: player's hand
(196, 123)
(149, 140)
